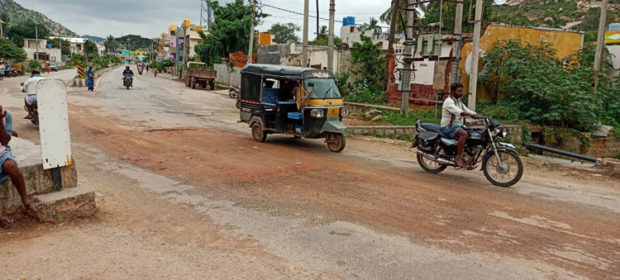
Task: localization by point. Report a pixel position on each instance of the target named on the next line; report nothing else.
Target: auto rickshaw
(301, 102)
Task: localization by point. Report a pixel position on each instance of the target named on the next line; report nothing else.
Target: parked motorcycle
(233, 92)
(501, 163)
(127, 81)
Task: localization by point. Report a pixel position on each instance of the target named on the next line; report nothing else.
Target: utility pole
(250, 50)
(600, 43)
(473, 79)
(304, 54)
(330, 39)
(36, 34)
(390, 57)
(318, 31)
(456, 48)
(407, 59)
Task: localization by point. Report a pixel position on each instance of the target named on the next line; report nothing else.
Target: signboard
(54, 123)
(612, 37)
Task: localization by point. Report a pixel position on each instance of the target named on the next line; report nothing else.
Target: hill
(135, 42)
(582, 15)
(15, 14)
(94, 38)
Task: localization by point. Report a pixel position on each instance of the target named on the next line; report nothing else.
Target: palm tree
(402, 5)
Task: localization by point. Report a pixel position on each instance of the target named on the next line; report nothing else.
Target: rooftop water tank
(348, 21)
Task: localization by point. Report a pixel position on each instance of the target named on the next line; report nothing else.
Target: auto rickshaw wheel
(258, 133)
(335, 142)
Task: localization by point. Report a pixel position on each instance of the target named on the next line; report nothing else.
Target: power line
(299, 13)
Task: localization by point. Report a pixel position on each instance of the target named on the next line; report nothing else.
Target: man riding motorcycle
(128, 73)
(30, 86)
(453, 113)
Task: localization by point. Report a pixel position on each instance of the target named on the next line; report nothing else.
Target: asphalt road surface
(185, 193)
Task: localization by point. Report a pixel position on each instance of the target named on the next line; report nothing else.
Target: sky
(150, 18)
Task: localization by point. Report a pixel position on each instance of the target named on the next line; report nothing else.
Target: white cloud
(150, 18)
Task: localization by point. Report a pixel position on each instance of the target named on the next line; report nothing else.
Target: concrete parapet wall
(38, 181)
(394, 132)
(225, 76)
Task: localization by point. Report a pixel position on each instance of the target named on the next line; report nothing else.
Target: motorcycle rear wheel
(495, 172)
(429, 165)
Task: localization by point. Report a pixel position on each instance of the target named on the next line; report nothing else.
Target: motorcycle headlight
(316, 113)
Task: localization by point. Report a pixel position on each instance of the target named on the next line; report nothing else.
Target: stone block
(67, 204)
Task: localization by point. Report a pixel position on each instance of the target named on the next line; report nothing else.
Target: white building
(40, 50)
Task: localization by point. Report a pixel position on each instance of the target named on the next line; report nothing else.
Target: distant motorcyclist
(128, 73)
(30, 87)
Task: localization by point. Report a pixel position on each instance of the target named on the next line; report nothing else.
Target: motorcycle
(34, 111)
(233, 92)
(500, 161)
(127, 81)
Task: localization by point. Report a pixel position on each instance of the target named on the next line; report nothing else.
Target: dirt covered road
(184, 190)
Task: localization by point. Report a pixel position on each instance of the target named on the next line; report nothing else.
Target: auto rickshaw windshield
(322, 88)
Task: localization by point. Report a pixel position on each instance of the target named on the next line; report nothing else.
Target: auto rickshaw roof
(289, 72)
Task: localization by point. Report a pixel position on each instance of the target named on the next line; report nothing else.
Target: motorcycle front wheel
(506, 173)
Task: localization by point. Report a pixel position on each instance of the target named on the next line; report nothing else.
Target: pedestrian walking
(147, 68)
(47, 67)
(90, 74)
(2, 69)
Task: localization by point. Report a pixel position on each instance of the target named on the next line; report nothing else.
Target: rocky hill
(580, 15)
(15, 14)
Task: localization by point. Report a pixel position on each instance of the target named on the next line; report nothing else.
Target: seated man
(453, 113)
(30, 87)
(8, 166)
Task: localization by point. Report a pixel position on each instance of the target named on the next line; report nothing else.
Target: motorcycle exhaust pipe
(437, 160)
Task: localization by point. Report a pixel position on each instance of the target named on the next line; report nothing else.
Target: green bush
(361, 92)
(540, 88)
(34, 65)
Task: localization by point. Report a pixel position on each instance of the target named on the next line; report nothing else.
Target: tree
(27, 30)
(229, 33)
(323, 38)
(65, 49)
(373, 25)
(285, 32)
(372, 61)
(111, 45)
(401, 16)
(90, 49)
(10, 51)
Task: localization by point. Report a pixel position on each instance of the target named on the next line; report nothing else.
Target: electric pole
(317, 20)
(330, 39)
(36, 34)
(456, 48)
(304, 54)
(407, 59)
(250, 50)
(473, 79)
(600, 44)
(390, 57)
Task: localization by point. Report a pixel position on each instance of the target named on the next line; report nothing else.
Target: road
(184, 192)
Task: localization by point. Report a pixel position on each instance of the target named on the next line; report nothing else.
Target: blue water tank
(348, 21)
(49, 46)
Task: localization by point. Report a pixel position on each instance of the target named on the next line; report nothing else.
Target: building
(76, 45)
(565, 43)
(42, 51)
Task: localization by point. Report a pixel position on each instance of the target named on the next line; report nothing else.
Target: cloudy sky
(150, 18)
